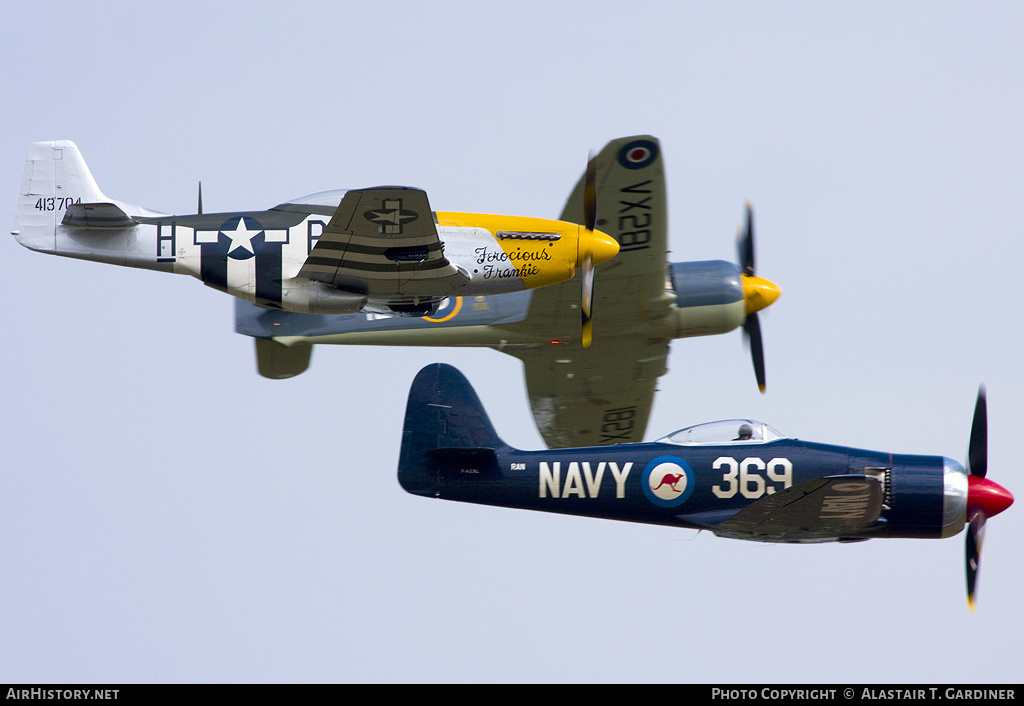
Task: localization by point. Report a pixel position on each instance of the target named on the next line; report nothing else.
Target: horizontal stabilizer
(97, 215)
(818, 510)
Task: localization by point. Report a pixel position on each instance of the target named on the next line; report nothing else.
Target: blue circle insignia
(667, 481)
(638, 154)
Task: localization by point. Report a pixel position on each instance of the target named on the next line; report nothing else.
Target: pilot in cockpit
(745, 433)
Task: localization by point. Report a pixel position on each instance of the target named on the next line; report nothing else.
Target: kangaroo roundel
(667, 481)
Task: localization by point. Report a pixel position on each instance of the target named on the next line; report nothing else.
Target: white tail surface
(55, 177)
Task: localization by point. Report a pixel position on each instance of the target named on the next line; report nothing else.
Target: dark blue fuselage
(668, 484)
(769, 488)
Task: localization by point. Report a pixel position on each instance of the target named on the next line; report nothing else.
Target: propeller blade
(587, 307)
(745, 242)
(588, 296)
(758, 292)
(752, 328)
(975, 534)
(590, 195)
(200, 211)
(590, 223)
(977, 451)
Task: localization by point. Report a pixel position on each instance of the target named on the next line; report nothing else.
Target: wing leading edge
(603, 394)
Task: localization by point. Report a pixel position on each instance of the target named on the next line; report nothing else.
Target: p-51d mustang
(738, 479)
(380, 249)
(601, 395)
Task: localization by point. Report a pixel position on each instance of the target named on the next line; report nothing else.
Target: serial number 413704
(56, 203)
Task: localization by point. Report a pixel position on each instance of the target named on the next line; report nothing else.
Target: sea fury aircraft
(380, 250)
(738, 479)
(601, 395)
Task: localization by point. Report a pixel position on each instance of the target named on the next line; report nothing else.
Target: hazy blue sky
(167, 515)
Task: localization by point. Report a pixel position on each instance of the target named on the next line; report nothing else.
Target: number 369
(746, 477)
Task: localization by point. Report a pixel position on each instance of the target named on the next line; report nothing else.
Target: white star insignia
(241, 237)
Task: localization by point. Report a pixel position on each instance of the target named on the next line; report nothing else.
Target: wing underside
(593, 402)
(383, 241)
(603, 394)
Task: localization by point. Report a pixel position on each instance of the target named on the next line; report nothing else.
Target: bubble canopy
(331, 198)
(726, 431)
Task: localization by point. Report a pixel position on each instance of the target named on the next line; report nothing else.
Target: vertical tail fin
(56, 177)
(444, 423)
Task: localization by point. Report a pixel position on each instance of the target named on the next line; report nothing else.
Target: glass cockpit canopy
(330, 198)
(728, 431)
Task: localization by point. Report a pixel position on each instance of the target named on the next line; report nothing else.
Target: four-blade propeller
(984, 497)
(758, 293)
(593, 248)
(590, 223)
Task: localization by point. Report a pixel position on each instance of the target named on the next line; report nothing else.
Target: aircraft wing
(631, 207)
(381, 240)
(817, 510)
(603, 394)
(593, 401)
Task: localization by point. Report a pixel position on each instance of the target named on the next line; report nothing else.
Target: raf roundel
(667, 481)
(638, 154)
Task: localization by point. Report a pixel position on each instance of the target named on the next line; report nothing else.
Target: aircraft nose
(759, 293)
(602, 246)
